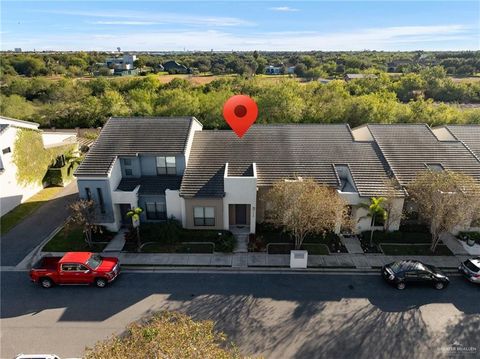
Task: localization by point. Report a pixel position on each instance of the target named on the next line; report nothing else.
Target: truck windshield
(94, 261)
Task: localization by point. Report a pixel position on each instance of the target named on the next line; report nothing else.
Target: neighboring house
(350, 77)
(85, 137)
(122, 66)
(273, 70)
(137, 162)
(410, 149)
(291, 70)
(173, 67)
(13, 193)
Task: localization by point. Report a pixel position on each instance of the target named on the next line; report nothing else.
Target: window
(69, 267)
(6, 150)
(88, 192)
(156, 210)
(100, 200)
(203, 216)
(166, 166)
(127, 166)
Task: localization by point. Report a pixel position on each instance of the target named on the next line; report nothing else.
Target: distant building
(290, 70)
(122, 65)
(18, 49)
(173, 67)
(273, 70)
(323, 81)
(394, 66)
(349, 77)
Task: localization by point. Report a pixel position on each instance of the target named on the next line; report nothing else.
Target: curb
(193, 269)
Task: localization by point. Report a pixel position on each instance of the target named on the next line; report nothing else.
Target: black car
(407, 272)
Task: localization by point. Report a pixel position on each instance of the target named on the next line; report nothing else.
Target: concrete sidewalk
(359, 261)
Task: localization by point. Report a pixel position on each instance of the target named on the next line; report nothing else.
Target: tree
(445, 200)
(303, 207)
(134, 214)
(83, 213)
(166, 335)
(375, 210)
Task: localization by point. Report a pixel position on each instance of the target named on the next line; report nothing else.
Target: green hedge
(171, 233)
(398, 237)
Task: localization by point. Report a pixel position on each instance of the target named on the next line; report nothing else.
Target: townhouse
(211, 179)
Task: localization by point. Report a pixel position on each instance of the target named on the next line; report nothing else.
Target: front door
(124, 208)
(241, 214)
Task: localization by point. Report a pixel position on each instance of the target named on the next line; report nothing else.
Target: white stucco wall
(11, 192)
(51, 139)
(196, 126)
(240, 190)
(174, 204)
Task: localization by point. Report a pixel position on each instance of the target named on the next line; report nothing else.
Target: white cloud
(284, 9)
(146, 18)
(440, 37)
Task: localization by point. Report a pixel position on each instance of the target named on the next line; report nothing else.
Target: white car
(471, 269)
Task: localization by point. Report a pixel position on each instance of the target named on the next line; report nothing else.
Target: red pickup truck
(75, 268)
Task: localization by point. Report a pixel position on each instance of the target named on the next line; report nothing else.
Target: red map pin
(240, 112)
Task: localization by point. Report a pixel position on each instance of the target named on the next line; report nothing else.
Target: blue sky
(240, 25)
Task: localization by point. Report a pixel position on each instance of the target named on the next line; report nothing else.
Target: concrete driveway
(280, 315)
(24, 237)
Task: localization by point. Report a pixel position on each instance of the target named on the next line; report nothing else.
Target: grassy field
(19, 213)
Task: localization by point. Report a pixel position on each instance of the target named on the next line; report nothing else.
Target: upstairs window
(127, 167)
(166, 166)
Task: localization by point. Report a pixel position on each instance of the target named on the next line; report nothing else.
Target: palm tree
(375, 210)
(134, 214)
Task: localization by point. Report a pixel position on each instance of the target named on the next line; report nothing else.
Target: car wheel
(401, 285)
(46, 283)
(100, 282)
(439, 285)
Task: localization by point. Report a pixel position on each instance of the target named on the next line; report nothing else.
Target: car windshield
(470, 265)
(94, 261)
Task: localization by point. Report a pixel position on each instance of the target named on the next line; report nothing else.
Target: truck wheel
(46, 283)
(100, 282)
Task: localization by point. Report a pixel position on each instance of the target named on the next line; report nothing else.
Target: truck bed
(47, 263)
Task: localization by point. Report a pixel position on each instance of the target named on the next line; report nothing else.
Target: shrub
(166, 335)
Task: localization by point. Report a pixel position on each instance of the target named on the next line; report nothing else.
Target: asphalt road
(274, 315)
(29, 233)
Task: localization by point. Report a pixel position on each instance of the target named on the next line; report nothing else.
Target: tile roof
(130, 136)
(469, 135)
(283, 151)
(150, 184)
(409, 148)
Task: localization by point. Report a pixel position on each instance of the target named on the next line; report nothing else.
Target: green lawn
(71, 241)
(19, 213)
(414, 250)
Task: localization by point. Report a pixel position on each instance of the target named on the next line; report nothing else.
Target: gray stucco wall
(104, 186)
(136, 171)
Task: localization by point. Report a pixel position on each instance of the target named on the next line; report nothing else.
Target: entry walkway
(352, 243)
